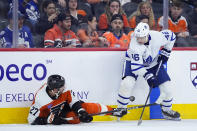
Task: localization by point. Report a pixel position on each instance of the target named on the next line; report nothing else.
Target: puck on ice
(132, 98)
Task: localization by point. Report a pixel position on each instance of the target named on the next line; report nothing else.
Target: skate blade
(172, 119)
(118, 119)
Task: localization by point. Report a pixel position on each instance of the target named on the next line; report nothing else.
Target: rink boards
(94, 75)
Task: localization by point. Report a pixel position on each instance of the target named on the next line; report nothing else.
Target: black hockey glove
(56, 120)
(164, 55)
(39, 121)
(84, 116)
(151, 80)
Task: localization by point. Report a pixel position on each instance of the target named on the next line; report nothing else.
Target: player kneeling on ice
(54, 105)
(142, 60)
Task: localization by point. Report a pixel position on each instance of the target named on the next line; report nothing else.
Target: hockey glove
(56, 120)
(151, 80)
(39, 121)
(164, 55)
(84, 116)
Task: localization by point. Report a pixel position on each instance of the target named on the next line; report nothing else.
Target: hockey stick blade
(140, 120)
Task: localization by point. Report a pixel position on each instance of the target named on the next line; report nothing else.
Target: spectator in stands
(77, 16)
(151, 1)
(29, 9)
(48, 17)
(190, 2)
(129, 7)
(4, 7)
(89, 37)
(96, 1)
(61, 3)
(140, 18)
(84, 5)
(144, 8)
(192, 20)
(116, 37)
(176, 22)
(98, 7)
(61, 35)
(25, 37)
(112, 8)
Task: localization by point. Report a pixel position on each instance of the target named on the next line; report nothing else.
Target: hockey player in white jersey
(142, 60)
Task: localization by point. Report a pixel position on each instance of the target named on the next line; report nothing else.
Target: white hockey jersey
(143, 56)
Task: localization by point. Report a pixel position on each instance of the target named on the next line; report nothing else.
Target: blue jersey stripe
(122, 103)
(123, 97)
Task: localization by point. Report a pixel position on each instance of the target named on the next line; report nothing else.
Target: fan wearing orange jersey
(113, 7)
(61, 35)
(89, 37)
(176, 22)
(144, 8)
(116, 37)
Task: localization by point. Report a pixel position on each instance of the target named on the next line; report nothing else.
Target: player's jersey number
(33, 110)
(168, 36)
(136, 57)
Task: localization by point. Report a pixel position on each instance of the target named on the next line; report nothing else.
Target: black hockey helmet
(55, 82)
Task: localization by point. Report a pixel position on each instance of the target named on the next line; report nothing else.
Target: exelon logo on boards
(13, 72)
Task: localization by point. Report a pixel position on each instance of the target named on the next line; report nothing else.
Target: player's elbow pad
(77, 106)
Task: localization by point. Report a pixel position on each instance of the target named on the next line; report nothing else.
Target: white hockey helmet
(141, 30)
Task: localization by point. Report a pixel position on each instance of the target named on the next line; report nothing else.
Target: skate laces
(171, 112)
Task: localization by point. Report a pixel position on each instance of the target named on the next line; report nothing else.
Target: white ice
(147, 125)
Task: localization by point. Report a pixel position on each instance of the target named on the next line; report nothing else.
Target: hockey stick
(140, 120)
(112, 111)
(117, 110)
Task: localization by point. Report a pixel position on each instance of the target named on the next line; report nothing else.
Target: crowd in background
(93, 23)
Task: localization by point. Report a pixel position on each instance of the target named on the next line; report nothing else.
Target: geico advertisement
(182, 68)
(92, 76)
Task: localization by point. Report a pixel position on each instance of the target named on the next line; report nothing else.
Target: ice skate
(120, 112)
(171, 115)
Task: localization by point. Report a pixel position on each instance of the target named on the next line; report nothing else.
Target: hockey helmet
(141, 30)
(55, 82)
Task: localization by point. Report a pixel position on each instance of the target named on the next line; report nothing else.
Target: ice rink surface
(147, 125)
